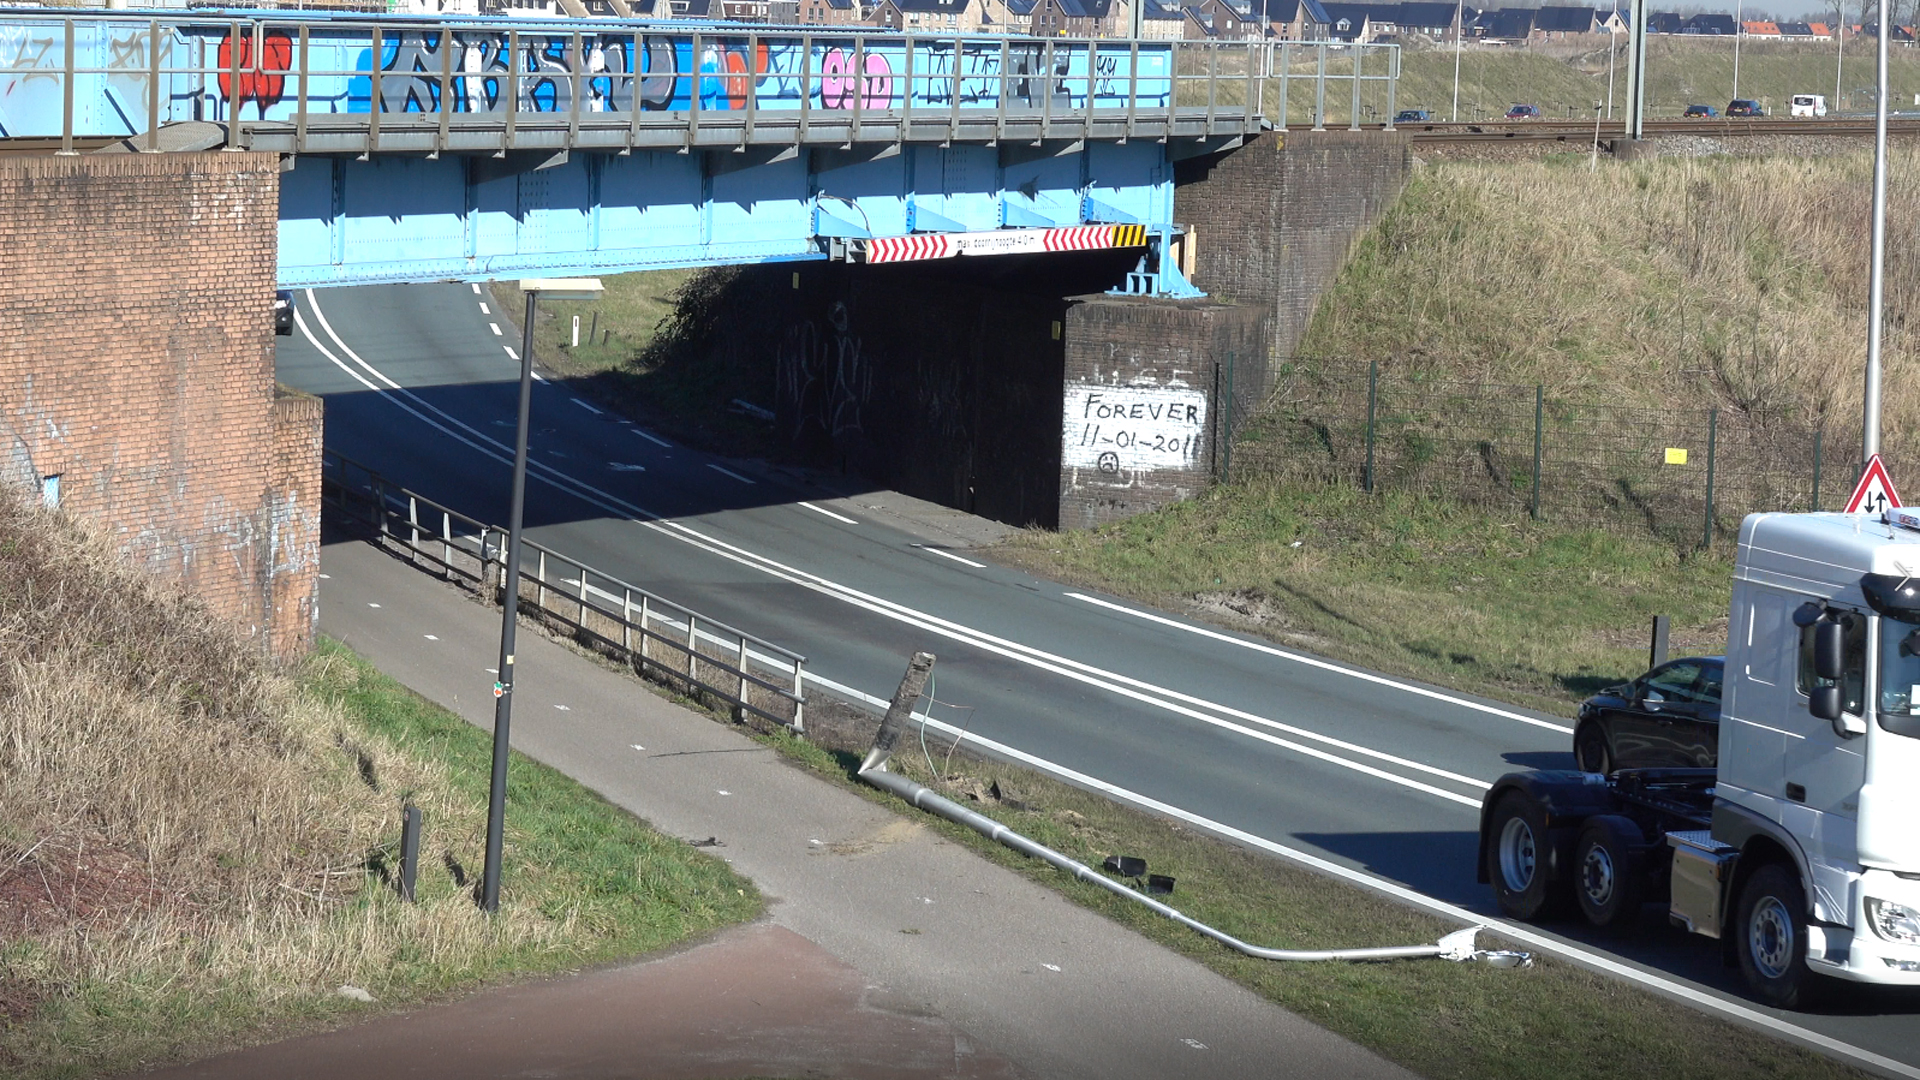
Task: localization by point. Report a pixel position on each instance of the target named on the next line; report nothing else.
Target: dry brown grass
(196, 848)
(1674, 283)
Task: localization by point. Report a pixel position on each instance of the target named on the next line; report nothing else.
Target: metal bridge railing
(655, 636)
(339, 84)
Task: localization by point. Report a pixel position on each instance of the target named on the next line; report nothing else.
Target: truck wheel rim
(1770, 937)
(1596, 875)
(1516, 855)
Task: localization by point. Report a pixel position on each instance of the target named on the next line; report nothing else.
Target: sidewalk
(887, 951)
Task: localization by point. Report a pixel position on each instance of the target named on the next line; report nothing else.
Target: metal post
(644, 632)
(1657, 651)
(374, 96)
(693, 643)
(626, 620)
(741, 714)
(1373, 391)
(1286, 74)
(1713, 425)
(1393, 83)
(66, 98)
(1459, 31)
(509, 612)
(540, 582)
(1320, 91)
(1870, 402)
(409, 850)
(1353, 109)
(1539, 421)
(300, 105)
(1819, 436)
(153, 87)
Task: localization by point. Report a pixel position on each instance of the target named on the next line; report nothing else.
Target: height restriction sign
(1875, 493)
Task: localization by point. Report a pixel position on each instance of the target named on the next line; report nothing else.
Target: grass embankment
(197, 851)
(1567, 78)
(1440, 1020)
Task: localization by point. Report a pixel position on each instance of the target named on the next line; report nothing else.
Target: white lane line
(1125, 686)
(495, 327)
(1515, 932)
(510, 352)
(728, 472)
(485, 310)
(476, 288)
(652, 438)
(1148, 693)
(537, 377)
(587, 407)
(950, 555)
(829, 513)
(1321, 664)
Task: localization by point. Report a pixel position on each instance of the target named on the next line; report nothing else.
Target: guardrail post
(806, 92)
(582, 605)
(626, 621)
(374, 97)
(153, 87)
(740, 711)
(1253, 86)
(413, 521)
(445, 101)
(1133, 86)
(300, 104)
(446, 540)
(859, 86)
(1320, 91)
(1657, 651)
(693, 642)
(540, 587)
(799, 699)
(645, 631)
(577, 61)
(1353, 109)
(953, 122)
(513, 85)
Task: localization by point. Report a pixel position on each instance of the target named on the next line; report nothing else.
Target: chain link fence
(1686, 474)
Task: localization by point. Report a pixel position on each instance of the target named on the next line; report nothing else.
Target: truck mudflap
(1567, 797)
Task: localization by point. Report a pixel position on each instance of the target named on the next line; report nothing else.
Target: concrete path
(988, 967)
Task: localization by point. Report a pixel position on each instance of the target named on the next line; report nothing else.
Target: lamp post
(1459, 29)
(558, 289)
(1739, 31)
(1613, 46)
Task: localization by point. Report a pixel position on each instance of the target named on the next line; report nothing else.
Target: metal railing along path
(656, 636)
(308, 83)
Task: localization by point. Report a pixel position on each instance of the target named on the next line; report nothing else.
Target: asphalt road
(1369, 773)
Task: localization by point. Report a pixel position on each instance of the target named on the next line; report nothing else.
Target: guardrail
(312, 84)
(655, 636)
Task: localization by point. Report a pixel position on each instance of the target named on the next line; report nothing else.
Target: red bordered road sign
(1874, 494)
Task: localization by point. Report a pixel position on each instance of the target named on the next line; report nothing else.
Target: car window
(1710, 679)
(1673, 683)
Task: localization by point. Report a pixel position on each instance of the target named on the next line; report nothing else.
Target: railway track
(1608, 130)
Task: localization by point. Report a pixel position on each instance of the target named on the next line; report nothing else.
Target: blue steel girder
(394, 218)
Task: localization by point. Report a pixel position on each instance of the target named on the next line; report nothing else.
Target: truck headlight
(1894, 922)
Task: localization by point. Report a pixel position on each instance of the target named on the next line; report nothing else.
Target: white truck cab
(1807, 105)
(1800, 849)
(1837, 792)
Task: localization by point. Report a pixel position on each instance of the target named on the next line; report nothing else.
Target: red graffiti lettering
(263, 78)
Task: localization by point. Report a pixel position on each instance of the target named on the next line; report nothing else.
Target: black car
(1745, 107)
(1667, 718)
(1412, 116)
(1701, 112)
(283, 311)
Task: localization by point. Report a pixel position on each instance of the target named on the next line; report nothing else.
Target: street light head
(570, 288)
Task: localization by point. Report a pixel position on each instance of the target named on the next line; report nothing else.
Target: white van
(1808, 105)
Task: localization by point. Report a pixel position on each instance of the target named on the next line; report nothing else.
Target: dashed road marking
(728, 472)
(829, 513)
(951, 555)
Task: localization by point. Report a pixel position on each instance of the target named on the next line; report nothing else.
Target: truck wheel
(1607, 871)
(1772, 942)
(1590, 749)
(1517, 858)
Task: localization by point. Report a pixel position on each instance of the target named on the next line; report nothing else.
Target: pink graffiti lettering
(840, 81)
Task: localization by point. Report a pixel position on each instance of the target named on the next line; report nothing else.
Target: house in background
(927, 16)
(1760, 28)
(829, 13)
(1718, 24)
(1297, 20)
(1078, 18)
(1665, 22)
(1162, 21)
(1349, 22)
(1560, 23)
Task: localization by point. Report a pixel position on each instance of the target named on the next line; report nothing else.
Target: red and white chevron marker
(1003, 242)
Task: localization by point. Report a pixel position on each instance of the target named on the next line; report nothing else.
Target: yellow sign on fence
(1676, 455)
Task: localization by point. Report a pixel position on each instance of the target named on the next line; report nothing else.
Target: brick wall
(1276, 220)
(293, 523)
(1138, 425)
(136, 363)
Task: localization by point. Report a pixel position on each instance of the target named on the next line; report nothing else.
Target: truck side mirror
(1824, 702)
(1829, 650)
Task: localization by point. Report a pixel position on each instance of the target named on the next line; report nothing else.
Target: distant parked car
(1523, 112)
(1814, 105)
(283, 312)
(1745, 107)
(1701, 112)
(1667, 718)
(1412, 116)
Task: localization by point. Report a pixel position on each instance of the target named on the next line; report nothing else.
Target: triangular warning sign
(1875, 492)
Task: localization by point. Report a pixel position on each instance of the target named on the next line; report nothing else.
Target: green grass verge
(1534, 612)
(1552, 1021)
(584, 883)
